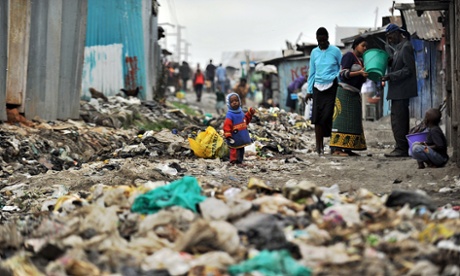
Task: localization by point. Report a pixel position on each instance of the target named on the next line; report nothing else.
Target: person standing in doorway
(210, 75)
(402, 85)
(221, 77)
(347, 126)
(293, 90)
(322, 85)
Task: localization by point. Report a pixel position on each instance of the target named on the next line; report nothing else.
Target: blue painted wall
(118, 22)
(428, 89)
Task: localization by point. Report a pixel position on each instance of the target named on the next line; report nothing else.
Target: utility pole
(178, 44)
(376, 17)
(186, 54)
(166, 33)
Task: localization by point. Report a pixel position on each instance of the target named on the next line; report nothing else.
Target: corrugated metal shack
(292, 65)
(451, 60)
(52, 51)
(426, 38)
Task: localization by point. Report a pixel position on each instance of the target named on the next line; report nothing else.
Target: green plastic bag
(184, 192)
(271, 263)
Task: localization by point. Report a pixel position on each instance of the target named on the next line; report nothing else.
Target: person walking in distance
(210, 75)
(185, 74)
(198, 82)
(402, 85)
(221, 77)
(322, 85)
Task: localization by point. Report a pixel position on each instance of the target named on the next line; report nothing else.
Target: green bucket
(375, 62)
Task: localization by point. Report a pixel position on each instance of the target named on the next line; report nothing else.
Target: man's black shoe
(396, 153)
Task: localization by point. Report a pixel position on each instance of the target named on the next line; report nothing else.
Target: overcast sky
(216, 26)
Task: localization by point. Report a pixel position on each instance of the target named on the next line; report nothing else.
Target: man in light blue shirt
(221, 77)
(322, 85)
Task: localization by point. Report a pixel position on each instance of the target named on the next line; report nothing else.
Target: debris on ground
(139, 200)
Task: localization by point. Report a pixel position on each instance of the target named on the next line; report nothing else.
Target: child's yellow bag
(208, 144)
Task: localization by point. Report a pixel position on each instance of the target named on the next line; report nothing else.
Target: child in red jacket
(236, 128)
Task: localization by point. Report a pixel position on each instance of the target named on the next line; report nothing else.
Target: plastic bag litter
(400, 198)
(214, 209)
(208, 144)
(80, 268)
(435, 231)
(184, 192)
(348, 212)
(264, 231)
(176, 263)
(271, 263)
(204, 236)
(21, 265)
(68, 203)
(331, 195)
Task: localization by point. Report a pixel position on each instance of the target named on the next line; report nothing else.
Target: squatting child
(236, 128)
(433, 151)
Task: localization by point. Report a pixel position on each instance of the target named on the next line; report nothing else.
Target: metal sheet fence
(49, 55)
(41, 51)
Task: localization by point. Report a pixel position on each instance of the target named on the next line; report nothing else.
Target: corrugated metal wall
(428, 62)
(41, 48)
(3, 56)
(54, 69)
(114, 45)
(43, 53)
(288, 71)
(18, 48)
(72, 50)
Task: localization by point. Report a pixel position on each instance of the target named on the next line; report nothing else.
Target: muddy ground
(371, 170)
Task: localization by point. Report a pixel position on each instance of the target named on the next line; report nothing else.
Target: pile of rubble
(127, 128)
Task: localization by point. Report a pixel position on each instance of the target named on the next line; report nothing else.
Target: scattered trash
(183, 192)
(271, 263)
(414, 199)
(171, 213)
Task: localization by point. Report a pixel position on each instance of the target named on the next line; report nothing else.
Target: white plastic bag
(308, 108)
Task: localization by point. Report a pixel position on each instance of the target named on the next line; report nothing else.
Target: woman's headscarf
(228, 103)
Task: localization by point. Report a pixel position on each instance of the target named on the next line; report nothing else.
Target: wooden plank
(434, 5)
(18, 49)
(3, 56)
(456, 88)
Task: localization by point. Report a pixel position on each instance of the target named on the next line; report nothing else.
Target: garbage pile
(55, 146)
(119, 112)
(125, 128)
(188, 227)
(274, 130)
